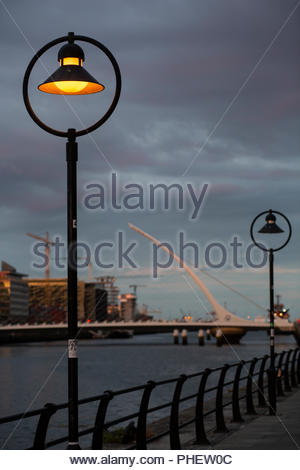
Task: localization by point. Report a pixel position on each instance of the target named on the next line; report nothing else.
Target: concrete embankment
(54, 332)
(34, 333)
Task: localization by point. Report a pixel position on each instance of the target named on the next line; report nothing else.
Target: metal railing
(248, 380)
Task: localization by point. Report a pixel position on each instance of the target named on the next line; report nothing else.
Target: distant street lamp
(271, 228)
(72, 79)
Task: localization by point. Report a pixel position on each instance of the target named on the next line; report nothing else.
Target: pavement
(257, 432)
(264, 432)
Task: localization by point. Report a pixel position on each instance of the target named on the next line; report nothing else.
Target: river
(33, 374)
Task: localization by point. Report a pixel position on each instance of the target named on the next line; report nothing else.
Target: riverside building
(14, 295)
(53, 293)
(95, 302)
(127, 307)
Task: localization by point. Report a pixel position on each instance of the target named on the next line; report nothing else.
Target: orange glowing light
(71, 78)
(71, 61)
(70, 87)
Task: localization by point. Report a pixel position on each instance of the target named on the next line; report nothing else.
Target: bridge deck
(158, 325)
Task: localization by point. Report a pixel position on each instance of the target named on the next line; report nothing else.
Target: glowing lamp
(71, 78)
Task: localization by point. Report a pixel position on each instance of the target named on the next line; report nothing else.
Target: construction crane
(90, 267)
(135, 286)
(48, 243)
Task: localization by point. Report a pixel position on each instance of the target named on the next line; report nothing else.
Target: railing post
(199, 421)
(42, 427)
(236, 413)
(279, 375)
(287, 386)
(261, 390)
(220, 422)
(249, 393)
(97, 439)
(174, 418)
(141, 432)
(293, 369)
(298, 367)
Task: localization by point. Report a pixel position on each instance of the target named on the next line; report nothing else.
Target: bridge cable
(233, 290)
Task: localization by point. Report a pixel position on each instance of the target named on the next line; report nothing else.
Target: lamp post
(271, 228)
(72, 79)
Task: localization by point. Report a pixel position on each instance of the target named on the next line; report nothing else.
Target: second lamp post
(271, 228)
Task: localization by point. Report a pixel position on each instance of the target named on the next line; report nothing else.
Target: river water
(33, 374)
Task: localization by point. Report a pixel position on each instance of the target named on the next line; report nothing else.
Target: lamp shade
(71, 78)
(271, 226)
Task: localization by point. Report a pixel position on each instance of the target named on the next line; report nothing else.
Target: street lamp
(271, 228)
(72, 79)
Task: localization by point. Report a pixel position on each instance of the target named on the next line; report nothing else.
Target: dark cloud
(182, 65)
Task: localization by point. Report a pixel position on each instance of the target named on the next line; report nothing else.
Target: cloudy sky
(210, 96)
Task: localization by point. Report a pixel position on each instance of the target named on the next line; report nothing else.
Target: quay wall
(55, 332)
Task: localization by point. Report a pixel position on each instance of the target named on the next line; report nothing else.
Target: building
(127, 307)
(49, 295)
(107, 283)
(95, 302)
(14, 295)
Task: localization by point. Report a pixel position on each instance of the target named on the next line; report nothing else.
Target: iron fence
(247, 379)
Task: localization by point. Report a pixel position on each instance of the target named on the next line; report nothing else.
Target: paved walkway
(257, 432)
(281, 432)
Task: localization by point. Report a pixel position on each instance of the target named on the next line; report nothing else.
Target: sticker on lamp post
(72, 348)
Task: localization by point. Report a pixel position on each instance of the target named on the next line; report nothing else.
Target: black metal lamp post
(271, 228)
(72, 79)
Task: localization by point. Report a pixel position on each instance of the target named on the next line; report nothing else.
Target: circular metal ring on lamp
(261, 246)
(108, 112)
